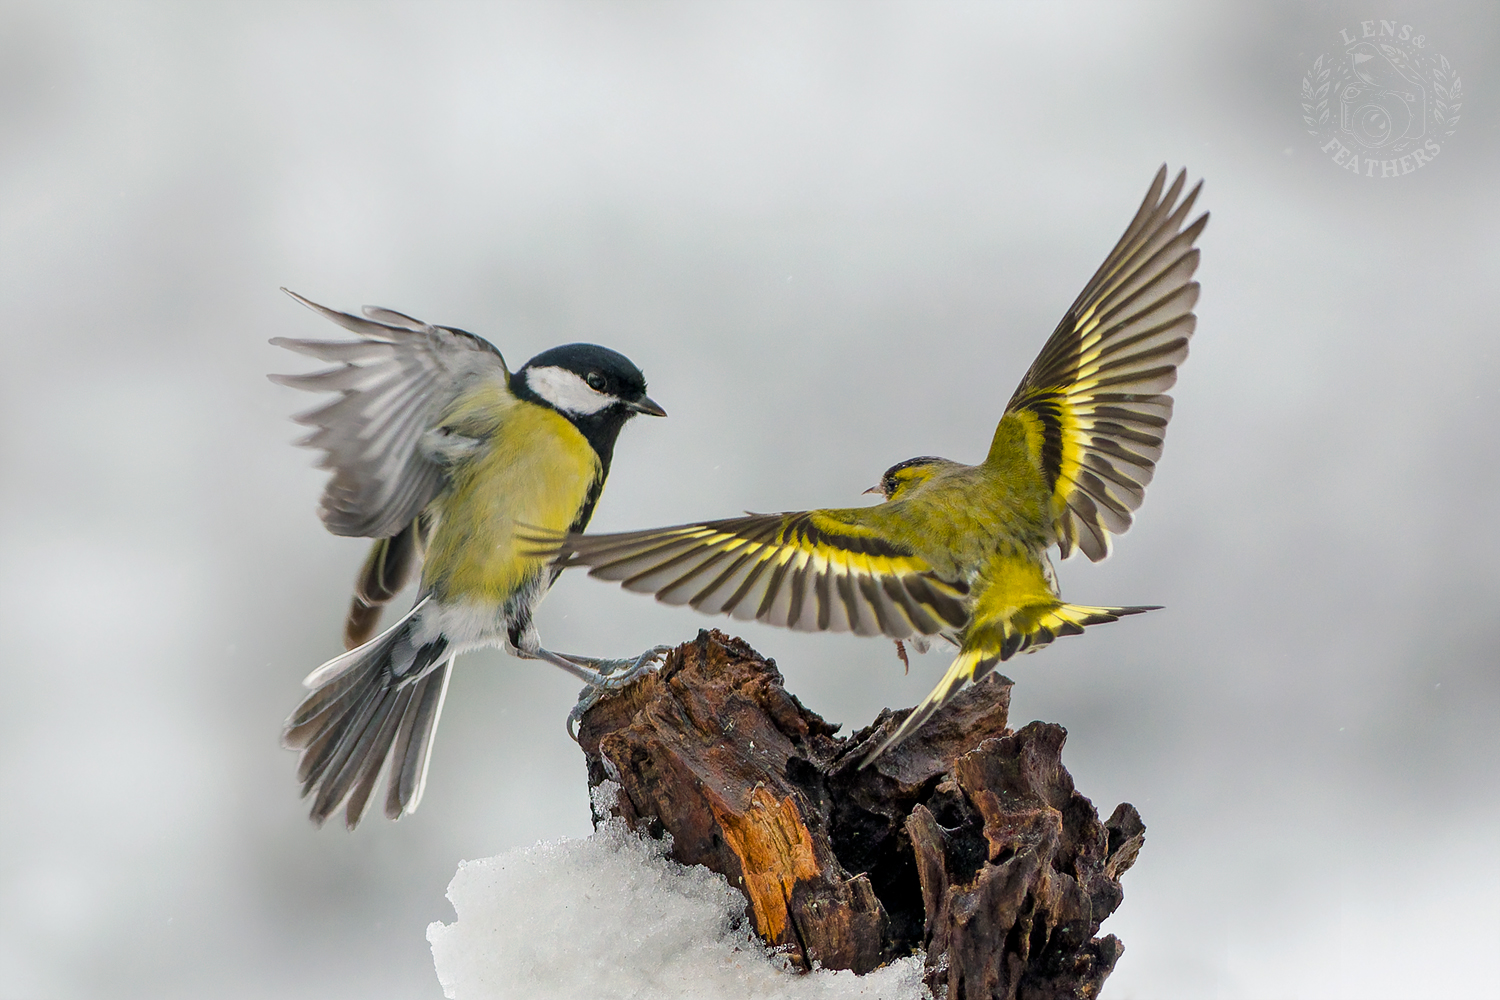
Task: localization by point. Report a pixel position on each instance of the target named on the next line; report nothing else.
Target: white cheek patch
(566, 391)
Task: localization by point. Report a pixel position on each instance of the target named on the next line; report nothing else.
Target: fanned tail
(379, 702)
(1032, 628)
(1024, 630)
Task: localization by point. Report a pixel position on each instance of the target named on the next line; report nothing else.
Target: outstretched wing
(394, 385)
(820, 570)
(1096, 392)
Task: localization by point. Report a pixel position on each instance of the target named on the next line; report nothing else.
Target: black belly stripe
(586, 511)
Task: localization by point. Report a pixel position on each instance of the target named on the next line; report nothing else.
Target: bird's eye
(595, 381)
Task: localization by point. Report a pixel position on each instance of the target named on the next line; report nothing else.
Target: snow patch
(611, 916)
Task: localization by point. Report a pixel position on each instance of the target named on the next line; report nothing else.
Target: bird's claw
(610, 682)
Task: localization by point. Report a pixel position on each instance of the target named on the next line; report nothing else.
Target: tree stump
(967, 840)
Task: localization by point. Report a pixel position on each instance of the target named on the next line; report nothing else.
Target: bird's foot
(609, 680)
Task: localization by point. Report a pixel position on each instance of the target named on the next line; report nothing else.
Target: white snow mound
(611, 916)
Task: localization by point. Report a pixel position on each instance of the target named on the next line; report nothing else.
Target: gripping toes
(613, 676)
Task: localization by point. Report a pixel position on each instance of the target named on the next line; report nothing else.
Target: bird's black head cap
(905, 474)
(594, 387)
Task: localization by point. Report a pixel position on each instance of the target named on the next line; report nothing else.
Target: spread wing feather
(1098, 387)
(394, 385)
(815, 571)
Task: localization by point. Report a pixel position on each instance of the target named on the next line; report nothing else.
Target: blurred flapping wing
(394, 385)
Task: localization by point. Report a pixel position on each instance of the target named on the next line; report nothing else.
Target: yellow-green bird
(956, 550)
(446, 457)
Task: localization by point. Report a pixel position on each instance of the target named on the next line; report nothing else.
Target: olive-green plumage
(962, 550)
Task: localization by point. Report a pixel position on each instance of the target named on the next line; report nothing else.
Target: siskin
(961, 551)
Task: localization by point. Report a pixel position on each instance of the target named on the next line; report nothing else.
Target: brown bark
(967, 840)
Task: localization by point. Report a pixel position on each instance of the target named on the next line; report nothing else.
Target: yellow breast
(535, 470)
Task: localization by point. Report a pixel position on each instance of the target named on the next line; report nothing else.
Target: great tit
(961, 551)
(441, 454)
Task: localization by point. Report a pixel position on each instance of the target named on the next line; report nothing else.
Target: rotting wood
(969, 840)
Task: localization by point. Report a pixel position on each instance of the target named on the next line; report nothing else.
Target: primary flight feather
(959, 550)
(445, 457)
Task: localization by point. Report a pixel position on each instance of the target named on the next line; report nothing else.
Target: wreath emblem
(1383, 104)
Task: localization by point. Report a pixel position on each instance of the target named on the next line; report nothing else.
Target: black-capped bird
(441, 454)
(959, 550)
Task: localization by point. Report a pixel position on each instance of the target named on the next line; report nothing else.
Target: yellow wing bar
(813, 571)
(1097, 388)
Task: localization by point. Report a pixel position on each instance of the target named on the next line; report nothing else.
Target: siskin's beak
(646, 405)
(876, 489)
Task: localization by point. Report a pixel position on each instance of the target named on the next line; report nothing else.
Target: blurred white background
(833, 236)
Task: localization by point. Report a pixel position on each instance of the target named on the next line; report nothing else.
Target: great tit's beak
(646, 405)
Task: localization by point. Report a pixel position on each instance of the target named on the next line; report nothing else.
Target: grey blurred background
(833, 236)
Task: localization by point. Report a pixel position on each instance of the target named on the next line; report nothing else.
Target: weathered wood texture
(968, 840)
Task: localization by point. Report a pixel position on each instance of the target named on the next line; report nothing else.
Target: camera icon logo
(1383, 104)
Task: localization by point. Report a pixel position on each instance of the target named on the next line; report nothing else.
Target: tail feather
(357, 754)
(1022, 631)
(306, 722)
(369, 771)
(413, 748)
(391, 565)
(322, 746)
(372, 711)
(357, 731)
(1034, 627)
(968, 665)
(326, 736)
